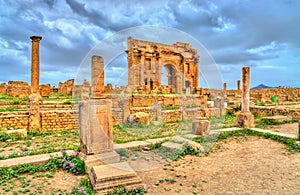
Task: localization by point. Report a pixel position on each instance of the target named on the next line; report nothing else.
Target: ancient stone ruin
(147, 59)
(3, 88)
(66, 88)
(19, 89)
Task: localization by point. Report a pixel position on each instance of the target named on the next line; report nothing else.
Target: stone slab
(108, 177)
(131, 145)
(157, 140)
(21, 132)
(172, 145)
(40, 159)
(100, 159)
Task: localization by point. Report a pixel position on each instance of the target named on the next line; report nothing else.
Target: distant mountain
(261, 86)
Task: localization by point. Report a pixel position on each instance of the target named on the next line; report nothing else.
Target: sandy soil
(241, 165)
(291, 128)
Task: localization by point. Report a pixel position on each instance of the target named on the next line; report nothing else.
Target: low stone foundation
(50, 120)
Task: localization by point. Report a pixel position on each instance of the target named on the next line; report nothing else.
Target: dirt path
(291, 128)
(248, 165)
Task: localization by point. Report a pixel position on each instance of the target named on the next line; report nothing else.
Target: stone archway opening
(171, 76)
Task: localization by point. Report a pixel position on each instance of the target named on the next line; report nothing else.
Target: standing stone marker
(35, 98)
(95, 126)
(245, 118)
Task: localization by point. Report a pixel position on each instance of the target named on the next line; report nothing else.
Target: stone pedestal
(95, 119)
(34, 113)
(220, 104)
(245, 120)
(201, 126)
(108, 177)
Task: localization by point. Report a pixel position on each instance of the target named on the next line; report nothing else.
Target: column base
(245, 119)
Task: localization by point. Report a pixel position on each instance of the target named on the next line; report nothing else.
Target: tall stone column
(225, 90)
(35, 98)
(246, 89)
(97, 75)
(245, 118)
(35, 64)
(239, 87)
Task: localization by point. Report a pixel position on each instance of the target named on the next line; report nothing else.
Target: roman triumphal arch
(147, 59)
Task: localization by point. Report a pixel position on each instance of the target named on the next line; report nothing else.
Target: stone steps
(108, 177)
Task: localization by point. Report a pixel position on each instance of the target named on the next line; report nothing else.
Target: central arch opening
(169, 76)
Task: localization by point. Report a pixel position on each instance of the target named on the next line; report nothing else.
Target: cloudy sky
(264, 35)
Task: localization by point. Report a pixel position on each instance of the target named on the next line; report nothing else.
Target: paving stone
(172, 145)
(131, 145)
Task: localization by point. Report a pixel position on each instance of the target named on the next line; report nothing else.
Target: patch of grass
(67, 102)
(141, 190)
(169, 108)
(127, 133)
(122, 152)
(9, 109)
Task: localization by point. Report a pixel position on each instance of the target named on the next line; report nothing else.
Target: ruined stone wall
(18, 89)
(59, 121)
(282, 94)
(50, 120)
(3, 88)
(14, 120)
(45, 90)
(191, 114)
(169, 101)
(267, 111)
(262, 95)
(66, 88)
(171, 115)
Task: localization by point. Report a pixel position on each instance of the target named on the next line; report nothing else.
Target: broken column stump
(201, 126)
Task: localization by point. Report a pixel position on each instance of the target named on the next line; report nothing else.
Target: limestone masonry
(146, 60)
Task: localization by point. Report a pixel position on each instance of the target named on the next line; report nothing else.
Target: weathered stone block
(109, 177)
(95, 126)
(245, 120)
(201, 126)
